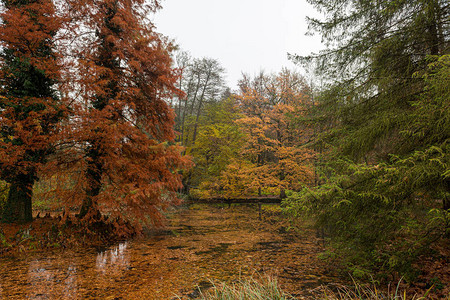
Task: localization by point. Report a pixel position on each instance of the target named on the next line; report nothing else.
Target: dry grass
(363, 292)
(268, 289)
(248, 289)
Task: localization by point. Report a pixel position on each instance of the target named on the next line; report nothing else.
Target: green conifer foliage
(384, 193)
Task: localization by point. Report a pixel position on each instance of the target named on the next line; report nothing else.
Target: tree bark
(194, 137)
(186, 132)
(93, 177)
(18, 206)
(446, 200)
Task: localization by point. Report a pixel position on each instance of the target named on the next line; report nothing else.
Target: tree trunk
(446, 200)
(93, 178)
(194, 137)
(18, 206)
(191, 111)
(183, 115)
(433, 27)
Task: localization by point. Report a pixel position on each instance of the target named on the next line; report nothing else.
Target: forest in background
(246, 143)
(101, 114)
(364, 151)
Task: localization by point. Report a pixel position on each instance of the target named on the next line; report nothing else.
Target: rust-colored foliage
(128, 163)
(115, 152)
(30, 110)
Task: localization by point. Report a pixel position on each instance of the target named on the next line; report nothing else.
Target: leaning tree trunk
(18, 205)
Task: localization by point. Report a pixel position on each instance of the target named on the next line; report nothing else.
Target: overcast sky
(244, 35)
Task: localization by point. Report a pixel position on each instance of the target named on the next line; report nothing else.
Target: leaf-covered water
(200, 245)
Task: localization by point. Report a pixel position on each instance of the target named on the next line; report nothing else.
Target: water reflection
(70, 283)
(39, 278)
(209, 244)
(113, 260)
(68, 275)
(51, 278)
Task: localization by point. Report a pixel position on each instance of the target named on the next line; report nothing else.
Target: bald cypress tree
(29, 106)
(130, 162)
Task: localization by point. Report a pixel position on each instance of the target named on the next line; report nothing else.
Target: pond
(200, 244)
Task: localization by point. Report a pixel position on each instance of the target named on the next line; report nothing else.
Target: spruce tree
(385, 130)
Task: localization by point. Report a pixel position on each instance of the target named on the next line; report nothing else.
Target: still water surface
(199, 245)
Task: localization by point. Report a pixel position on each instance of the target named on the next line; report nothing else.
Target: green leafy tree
(202, 83)
(217, 144)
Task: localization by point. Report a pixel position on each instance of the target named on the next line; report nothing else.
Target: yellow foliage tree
(274, 141)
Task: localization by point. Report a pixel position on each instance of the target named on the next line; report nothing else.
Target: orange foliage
(26, 27)
(124, 126)
(269, 105)
(115, 152)
(29, 108)
(271, 157)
